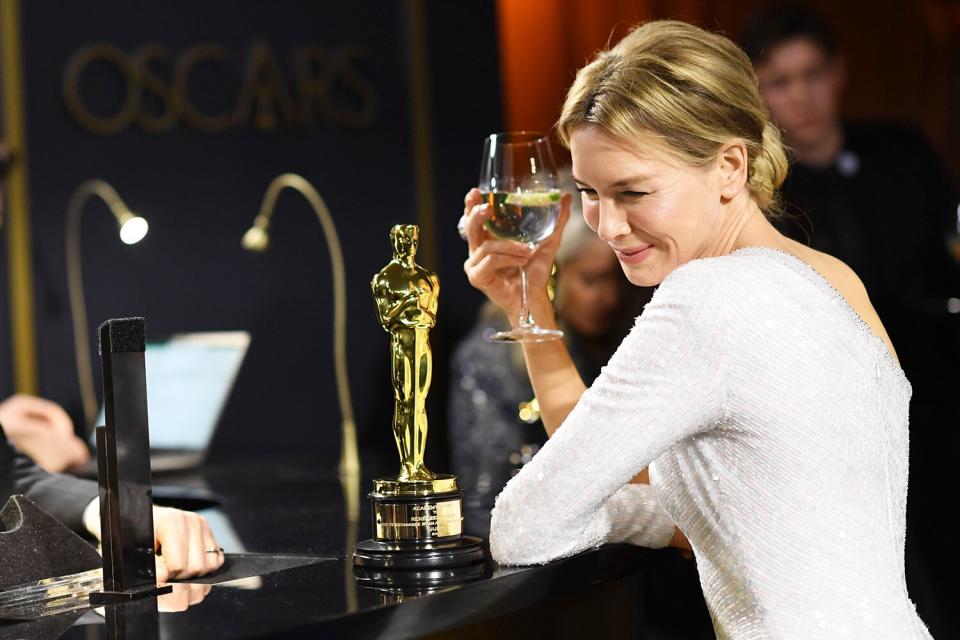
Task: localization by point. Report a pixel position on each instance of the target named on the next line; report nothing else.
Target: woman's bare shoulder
(837, 272)
(848, 284)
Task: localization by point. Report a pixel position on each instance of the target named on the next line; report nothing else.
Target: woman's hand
(43, 431)
(185, 545)
(493, 265)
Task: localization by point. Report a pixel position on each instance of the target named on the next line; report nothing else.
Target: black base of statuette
(408, 565)
(463, 550)
(416, 582)
(99, 598)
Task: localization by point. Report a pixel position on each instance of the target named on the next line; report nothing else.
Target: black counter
(296, 578)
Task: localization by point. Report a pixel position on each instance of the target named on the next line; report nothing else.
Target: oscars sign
(417, 515)
(159, 88)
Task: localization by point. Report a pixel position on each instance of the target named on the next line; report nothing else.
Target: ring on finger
(462, 227)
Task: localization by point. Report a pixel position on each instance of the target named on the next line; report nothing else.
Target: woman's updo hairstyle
(690, 89)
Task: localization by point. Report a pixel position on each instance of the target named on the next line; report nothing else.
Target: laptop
(189, 378)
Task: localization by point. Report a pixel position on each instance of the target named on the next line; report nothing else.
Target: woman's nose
(612, 223)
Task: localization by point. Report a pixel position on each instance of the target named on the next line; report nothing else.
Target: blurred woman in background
(494, 420)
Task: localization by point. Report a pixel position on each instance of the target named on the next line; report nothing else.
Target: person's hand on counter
(43, 431)
(186, 547)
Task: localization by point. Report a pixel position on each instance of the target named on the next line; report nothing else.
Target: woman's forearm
(556, 383)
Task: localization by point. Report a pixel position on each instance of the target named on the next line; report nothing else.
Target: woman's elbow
(519, 537)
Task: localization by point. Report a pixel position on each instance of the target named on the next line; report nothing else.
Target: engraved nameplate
(417, 520)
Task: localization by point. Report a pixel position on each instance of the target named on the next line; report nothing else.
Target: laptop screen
(189, 378)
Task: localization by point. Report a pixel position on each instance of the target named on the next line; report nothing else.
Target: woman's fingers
(196, 548)
(172, 543)
(500, 247)
(492, 263)
(471, 203)
(482, 273)
(476, 234)
(472, 199)
(163, 575)
(212, 560)
(491, 256)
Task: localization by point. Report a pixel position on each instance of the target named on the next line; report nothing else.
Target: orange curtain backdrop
(544, 42)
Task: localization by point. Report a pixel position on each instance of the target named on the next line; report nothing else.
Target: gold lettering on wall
(318, 75)
(159, 87)
(192, 57)
(111, 55)
(264, 85)
(328, 87)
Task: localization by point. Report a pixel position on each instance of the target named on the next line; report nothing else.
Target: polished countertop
(289, 568)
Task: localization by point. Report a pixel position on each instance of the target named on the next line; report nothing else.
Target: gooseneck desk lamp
(257, 239)
(132, 229)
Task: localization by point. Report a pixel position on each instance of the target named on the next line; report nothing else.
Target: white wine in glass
(518, 180)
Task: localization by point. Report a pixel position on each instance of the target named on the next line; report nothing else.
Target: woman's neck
(758, 231)
(745, 225)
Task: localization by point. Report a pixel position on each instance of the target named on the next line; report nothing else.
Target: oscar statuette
(417, 514)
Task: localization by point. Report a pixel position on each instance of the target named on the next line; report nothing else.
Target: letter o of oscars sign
(103, 125)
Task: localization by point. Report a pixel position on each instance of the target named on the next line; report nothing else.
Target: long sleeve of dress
(636, 517)
(666, 382)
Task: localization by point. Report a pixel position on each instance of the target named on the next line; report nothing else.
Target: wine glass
(519, 181)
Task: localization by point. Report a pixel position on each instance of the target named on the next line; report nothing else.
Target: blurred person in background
(493, 416)
(39, 428)
(877, 197)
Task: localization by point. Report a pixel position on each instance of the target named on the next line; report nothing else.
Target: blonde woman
(759, 384)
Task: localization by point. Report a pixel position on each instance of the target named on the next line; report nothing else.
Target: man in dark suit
(63, 497)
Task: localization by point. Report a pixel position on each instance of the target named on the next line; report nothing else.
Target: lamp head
(256, 239)
(133, 228)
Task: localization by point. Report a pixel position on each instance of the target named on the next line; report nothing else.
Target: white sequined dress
(774, 424)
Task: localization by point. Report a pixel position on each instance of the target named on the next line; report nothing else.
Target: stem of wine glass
(526, 320)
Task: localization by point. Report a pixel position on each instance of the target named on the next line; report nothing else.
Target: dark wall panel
(200, 180)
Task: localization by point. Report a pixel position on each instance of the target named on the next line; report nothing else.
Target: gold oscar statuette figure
(406, 295)
(417, 514)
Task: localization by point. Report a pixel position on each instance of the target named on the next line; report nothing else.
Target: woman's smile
(633, 255)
